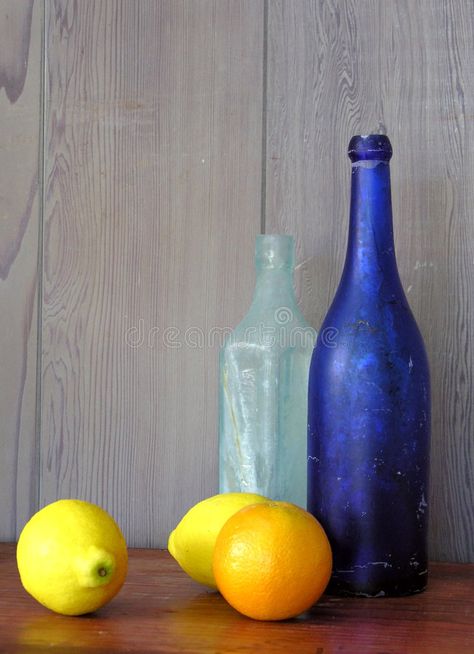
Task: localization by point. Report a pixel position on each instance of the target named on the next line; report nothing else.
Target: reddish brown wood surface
(161, 610)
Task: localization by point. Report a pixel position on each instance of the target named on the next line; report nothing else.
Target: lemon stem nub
(95, 567)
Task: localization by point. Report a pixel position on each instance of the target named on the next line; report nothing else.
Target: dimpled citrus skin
(192, 542)
(72, 557)
(272, 561)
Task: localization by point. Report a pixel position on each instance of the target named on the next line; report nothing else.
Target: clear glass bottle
(369, 404)
(264, 366)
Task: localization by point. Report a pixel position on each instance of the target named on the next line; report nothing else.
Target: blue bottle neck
(370, 255)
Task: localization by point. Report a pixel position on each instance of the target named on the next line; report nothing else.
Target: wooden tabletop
(160, 609)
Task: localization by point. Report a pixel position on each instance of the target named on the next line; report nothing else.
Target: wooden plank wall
(20, 206)
(132, 147)
(152, 178)
(338, 68)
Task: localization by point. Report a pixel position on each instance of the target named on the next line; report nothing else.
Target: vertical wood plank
(343, 67)
(20, 93)
(152, 181)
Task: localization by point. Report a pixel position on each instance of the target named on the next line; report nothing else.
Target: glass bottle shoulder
(272, 327)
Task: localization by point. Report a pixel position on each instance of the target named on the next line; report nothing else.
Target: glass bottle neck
(370, 251)
(274, 287)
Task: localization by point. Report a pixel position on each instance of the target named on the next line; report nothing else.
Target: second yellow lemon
(192, 542)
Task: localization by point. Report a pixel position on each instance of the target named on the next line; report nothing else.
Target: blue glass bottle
(369, 404)
(264, 367)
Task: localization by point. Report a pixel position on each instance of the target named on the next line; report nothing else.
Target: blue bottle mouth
(372, 147)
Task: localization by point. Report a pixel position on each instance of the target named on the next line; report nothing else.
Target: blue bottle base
(377, 587)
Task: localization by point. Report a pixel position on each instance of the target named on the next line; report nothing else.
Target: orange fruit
(272, 561)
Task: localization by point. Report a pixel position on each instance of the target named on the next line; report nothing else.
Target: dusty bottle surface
(264, 368)
(369, 404)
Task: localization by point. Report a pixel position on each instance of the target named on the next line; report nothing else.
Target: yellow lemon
(72, 557)
(192, 542)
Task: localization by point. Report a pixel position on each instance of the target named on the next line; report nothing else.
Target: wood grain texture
(160, 609)
(343, 67)
(152, 203)
(20, 110)
(153, 144)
